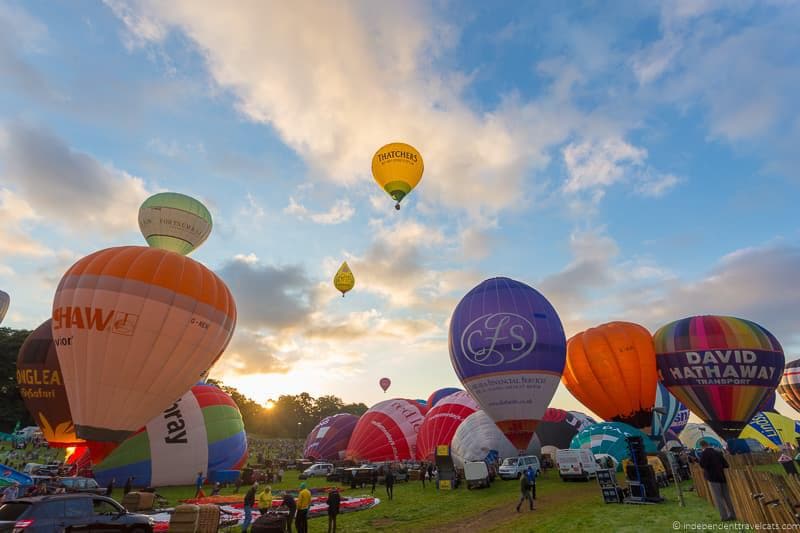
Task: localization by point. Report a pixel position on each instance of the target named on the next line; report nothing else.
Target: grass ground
(560, 506)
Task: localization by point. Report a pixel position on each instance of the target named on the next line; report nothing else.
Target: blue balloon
(508, 348)
(438, 394)
(670, 406)
(681, 419)
(609, 437)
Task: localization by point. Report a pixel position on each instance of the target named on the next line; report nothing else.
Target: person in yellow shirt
(303, 505)
(265, 500)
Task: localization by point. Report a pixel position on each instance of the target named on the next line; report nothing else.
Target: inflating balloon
(385, 383)
(611, 369)
(344, 281)
(693, 434)
(175, 222)
(680, 421)
(772, 430)
(441, 422)
(201, 432)
(134, 329)
(665, 410)
(507, 347)
(328, 440)
(397, 168)
(438, 394)
(789, 387)
(609, 437)
(41, 386)
(720, 367)
(5, 301)
(386, 432)
(768, 404)
(479, 439)
(558, 427)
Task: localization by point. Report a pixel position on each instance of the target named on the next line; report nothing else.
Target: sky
(630, 160)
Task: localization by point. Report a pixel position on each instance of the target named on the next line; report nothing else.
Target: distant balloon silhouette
(385, 383)
(5, 301)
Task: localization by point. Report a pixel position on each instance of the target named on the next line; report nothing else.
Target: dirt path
(548, 503)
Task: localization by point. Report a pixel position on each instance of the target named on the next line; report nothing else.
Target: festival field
(569, 506)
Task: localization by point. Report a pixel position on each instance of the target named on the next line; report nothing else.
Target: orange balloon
(134, 329)
(611, 369)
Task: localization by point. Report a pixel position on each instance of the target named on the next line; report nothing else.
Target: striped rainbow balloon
(720, 367)
(201, 432)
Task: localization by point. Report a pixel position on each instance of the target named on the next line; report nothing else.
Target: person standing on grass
(128, 485)
(303, 505)
(525, 491)
(374, 479)
(334, 499)
(289, 503)
(198, 483)
(714, 464)
(110, 487)
(249, 503)
(531, 475)
(265, 500)
(390, 484)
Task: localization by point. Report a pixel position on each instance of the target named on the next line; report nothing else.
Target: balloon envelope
(507, 347)
(438, 394)
(5, 301)
(328, 440)
(721, 368)
(768, 404)
(609, 437)
(772, 430)
(666, 402)
(386, 432)
(611, 369)
(692, 434)
(789, 387)
(441, 422)
(558, 427)
(201, 432)
(135, 328)
(175, 222)
(344, 280)
(478, 438)
(41, 386)
(385, 383)
(680, 421)
(397, 168)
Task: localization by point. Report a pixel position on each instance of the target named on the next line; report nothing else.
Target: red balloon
(384, 383)
(442, 421)
(386, 432)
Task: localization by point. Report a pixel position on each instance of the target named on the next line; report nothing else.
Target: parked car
(576, 463)
(69, 512)
(513, 467)
(338, 475)
(476, 473)
(78, 484)
(358, 476)
(316, 470)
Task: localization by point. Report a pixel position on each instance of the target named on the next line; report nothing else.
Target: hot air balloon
(175, 222)
(201, 432)
(478, 438)
(558, 427)
(768, 404)
(343, 280)
(328, 440)
(772, 430)
(385, 383)
(438, 394)
(386, 432)
(680, 421)
(134, 329)
(41, 386)
(611, 369)
(789, 387)
(692, 434)
(441, 422)
(397, 168)
(719, 367)
(507, 347)
(609, 437)
(665, 410)
(5, 301)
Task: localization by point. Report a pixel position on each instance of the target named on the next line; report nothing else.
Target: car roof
(73, 496)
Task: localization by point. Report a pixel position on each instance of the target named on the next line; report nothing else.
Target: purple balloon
(508, 348)
(768, 403)
(328, 440)
(681, 419)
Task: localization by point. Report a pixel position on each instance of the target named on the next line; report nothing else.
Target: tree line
(290, 416)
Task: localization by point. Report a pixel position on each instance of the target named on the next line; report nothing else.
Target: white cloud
(599, 164)
(15, 240)
(340, 211)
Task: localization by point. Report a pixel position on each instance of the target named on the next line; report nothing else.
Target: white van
(513, 467)
(317, 470)
(576, 463)
(476, 474)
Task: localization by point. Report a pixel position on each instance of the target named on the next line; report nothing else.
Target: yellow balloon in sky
(397, 167)
(344, 280)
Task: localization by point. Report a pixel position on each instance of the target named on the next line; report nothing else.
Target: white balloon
(478, 436)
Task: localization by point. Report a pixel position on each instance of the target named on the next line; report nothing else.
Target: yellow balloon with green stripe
(175, 222)
(397, 168)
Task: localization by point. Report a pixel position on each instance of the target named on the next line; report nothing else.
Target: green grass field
(568, 506)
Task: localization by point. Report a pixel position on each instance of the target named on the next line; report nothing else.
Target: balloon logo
(611, 369)
(344, 280)
(720, 367)
(789, 387)
(508, 348)
(175, 222)
(397, 168)
(134, 329)
(384, 383)
(5, 300)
